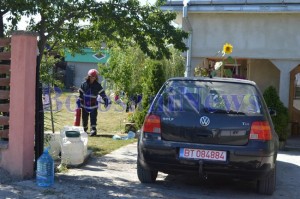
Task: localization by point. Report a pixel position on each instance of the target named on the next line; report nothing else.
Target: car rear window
(209, 96)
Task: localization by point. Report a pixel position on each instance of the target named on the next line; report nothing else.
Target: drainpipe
(187, 72)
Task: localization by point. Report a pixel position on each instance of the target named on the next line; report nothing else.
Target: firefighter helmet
(93, 73)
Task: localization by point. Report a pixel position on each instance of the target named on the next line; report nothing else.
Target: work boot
(93, 132)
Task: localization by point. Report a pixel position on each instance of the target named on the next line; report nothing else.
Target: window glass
(209, 96)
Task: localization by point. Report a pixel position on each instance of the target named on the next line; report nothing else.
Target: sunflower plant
(227, 50)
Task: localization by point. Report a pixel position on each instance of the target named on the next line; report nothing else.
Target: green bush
(151, 86)
(281, 119)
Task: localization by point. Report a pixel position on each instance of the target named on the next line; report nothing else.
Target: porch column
(285, 67)
(18, 159)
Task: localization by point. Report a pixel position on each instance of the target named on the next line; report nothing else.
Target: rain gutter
(201, 7)
(185, 17)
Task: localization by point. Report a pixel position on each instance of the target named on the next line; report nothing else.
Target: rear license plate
(202, 154)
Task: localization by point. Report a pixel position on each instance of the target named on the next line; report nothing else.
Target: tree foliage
(13, 10)
(125, 69)
(124, 22)
(151, 86)
(133, 72)
(128, 68)
(175, 65)
(48, 76)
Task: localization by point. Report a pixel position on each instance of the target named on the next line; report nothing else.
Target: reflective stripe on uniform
(89, 107)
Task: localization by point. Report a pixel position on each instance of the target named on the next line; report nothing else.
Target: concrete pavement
(114, 176)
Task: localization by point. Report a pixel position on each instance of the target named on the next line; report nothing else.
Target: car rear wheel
(145, 175)
(267, 185)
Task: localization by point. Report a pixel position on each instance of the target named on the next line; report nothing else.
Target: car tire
(145, 175)
(267, 185)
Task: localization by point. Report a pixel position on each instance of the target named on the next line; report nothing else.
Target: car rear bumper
(241, 162)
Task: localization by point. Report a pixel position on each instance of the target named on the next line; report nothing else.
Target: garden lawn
(110, 121)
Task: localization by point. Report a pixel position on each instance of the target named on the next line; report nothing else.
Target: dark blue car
(209, 126)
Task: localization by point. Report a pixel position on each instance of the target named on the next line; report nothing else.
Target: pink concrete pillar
(18, 159)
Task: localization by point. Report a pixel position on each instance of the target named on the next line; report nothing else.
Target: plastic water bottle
(131, 135)
(45, 170)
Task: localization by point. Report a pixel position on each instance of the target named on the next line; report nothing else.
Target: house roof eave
(202, 7)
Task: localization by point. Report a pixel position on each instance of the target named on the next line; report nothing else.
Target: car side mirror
(272, 112)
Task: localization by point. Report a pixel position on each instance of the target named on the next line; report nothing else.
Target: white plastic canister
(74, 145)
(83, 135)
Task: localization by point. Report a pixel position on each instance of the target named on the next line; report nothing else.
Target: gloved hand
(78, 103)
(98, 98)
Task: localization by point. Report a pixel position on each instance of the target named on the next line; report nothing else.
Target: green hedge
(281, 119)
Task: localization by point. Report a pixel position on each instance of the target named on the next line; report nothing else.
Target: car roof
(215, 79)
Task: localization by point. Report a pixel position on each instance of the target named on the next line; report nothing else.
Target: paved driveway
(114, 176)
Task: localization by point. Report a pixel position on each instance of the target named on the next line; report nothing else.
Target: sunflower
(227, 48)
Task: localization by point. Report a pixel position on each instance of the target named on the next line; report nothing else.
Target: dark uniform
(88, 93)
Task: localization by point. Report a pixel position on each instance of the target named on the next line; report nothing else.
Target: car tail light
(152, 124)
(260, 130)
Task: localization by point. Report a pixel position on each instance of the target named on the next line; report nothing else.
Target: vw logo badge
(204, 121)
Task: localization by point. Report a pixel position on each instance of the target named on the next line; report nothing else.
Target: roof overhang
(235, 6)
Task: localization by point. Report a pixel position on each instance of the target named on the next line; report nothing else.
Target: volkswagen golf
(209, 126)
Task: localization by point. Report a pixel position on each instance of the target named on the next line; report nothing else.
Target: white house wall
(253, 35)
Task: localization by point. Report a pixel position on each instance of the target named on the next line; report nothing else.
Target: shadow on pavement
(114, 176)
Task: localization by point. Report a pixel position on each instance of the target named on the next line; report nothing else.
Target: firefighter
(89, 91)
